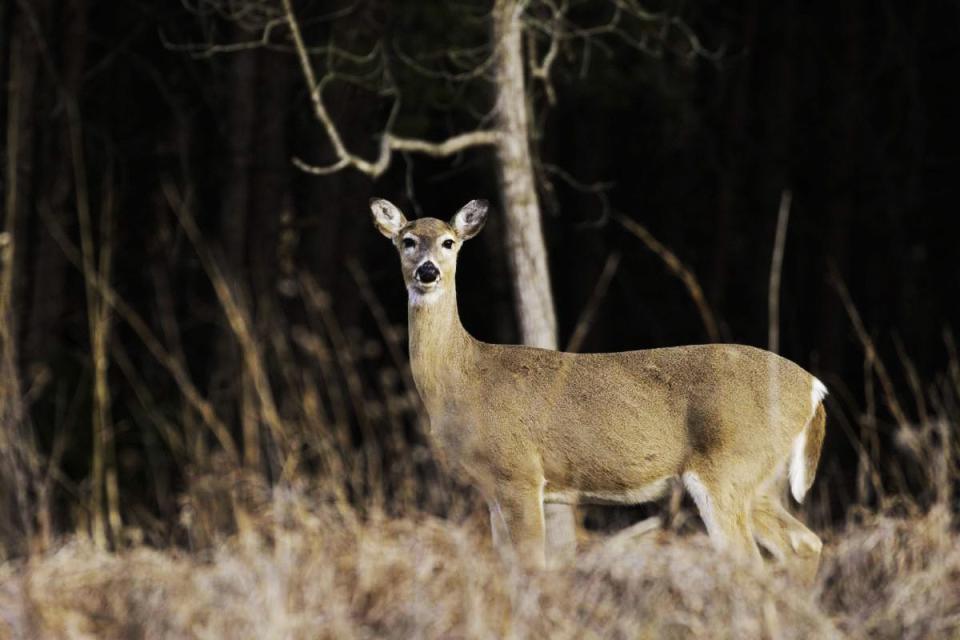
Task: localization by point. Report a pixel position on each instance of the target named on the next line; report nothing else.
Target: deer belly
(628, 495)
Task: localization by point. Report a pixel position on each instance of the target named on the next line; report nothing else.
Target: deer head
(428, 247)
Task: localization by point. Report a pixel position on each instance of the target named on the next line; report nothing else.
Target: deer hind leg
(517, 524)
(726, 514)
(561, 534)
(785, 537)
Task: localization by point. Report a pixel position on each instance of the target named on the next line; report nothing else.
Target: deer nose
(427, 272)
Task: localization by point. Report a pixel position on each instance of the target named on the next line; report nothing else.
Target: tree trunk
(525, 246)
(526, 249)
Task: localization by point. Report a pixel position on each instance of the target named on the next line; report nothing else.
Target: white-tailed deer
(733, 423)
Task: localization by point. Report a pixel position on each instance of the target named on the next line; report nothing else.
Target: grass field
(305, 568)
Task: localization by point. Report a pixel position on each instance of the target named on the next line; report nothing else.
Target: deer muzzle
(427, 273)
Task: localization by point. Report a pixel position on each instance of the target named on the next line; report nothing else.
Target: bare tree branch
(598, 189)
(541, 70)
(590, 309)
(202, 50)
(388, 142)
(208, 50)
(870, 349)
(679, 269)
(648, 32)
(776, 266)
(476, 71)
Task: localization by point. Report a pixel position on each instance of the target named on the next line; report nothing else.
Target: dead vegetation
(307, 569)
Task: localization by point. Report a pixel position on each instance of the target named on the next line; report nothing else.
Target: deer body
(528, 426)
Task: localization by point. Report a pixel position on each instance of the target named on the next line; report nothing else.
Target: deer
(731, 424)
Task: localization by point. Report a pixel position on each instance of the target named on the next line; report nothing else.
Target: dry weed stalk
(679, 270)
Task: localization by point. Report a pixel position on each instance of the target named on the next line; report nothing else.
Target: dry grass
(306, 569)
(895, 578)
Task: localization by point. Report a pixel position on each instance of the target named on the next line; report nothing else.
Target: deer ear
(469, 220)
(386, 217)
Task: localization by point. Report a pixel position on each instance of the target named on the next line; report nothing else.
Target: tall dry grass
(306, 569)
(308, 505)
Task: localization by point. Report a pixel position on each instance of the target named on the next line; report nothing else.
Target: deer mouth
(421, 293)
(424, 287)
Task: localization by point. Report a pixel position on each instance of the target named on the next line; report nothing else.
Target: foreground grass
(307, 572)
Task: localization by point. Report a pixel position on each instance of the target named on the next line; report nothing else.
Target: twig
(776, 266)
(590, 310)
(913, 379)
(239, 321)
(598, 189)
(477, 71)
(541, 70)
(678, 269)
(174, 367)
(388, 142)
(889, 391)
(209, 49)
(344, 357)
(98, 323)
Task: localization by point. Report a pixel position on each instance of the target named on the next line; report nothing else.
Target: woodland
(204, 381)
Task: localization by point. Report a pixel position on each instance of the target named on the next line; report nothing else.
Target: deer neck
(439, 345)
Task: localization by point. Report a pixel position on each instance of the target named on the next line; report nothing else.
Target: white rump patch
(817, 393)
(700, 495)
(798, 467)
(798, 461)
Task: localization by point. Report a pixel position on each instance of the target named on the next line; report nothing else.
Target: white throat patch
(423, 298)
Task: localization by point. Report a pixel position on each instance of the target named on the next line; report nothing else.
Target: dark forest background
(125, 115)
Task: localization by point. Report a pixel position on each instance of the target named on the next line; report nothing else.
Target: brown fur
(815, 435)
(528, 425)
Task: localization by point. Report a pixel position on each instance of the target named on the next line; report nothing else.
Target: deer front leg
(517, 525)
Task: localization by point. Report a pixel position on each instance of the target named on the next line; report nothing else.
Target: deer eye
(448, 244)
(409, 243)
